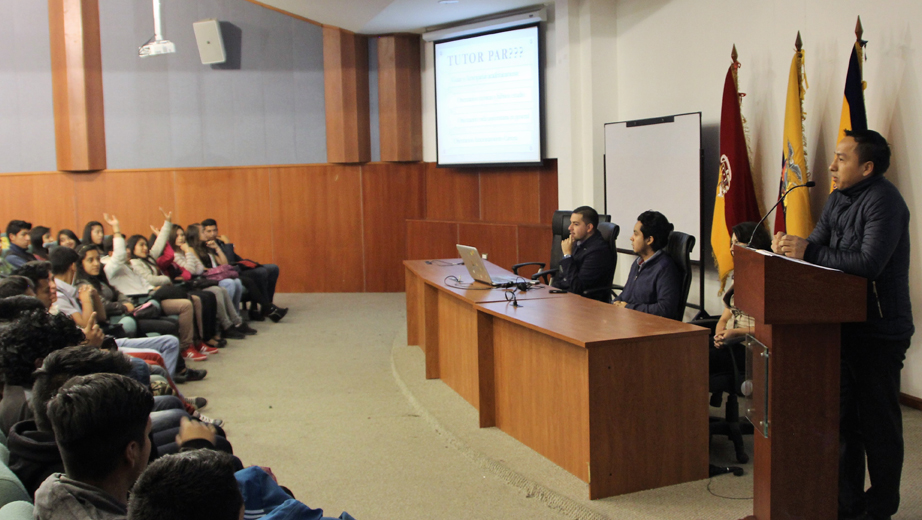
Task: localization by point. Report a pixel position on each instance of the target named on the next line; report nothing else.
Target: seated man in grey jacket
(102, 425)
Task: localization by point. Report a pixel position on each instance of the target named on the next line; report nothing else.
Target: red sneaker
(193, 355)
(205, 349)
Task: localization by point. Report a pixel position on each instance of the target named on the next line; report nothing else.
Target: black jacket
(34, 455)
(864, 230)
(654, 287)
(591, 265)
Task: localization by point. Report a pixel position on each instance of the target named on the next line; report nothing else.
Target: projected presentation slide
(488, 99)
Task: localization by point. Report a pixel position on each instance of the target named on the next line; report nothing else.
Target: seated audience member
(93, 233)
(33, 453)
(228, 291)
(40, 237)
(143, 262)
(67, 238)
(16, 286)
(653, 284)
(587, 261)
(265, 275)
(734, 323)
(18, 233)
(212, 258)
(128, 282)
(24, 344)
(118, 307)
(202, 483)
(102, 425)
(83, 305)
(40, 273)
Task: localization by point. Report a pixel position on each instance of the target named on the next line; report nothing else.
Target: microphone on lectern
(808, 184)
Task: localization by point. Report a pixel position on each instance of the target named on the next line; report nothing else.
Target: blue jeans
(166, 346)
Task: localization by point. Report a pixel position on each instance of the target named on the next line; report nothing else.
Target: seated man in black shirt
(654, 283)
(587, 262)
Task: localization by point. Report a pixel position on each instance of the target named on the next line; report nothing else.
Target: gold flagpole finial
(859, 31)
(734, 55)
(798, 44)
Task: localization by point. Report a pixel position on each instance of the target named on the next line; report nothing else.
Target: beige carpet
(335, 402)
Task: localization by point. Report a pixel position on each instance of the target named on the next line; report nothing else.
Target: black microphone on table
(808, 184)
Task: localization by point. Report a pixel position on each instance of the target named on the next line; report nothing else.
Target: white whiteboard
(655, 164)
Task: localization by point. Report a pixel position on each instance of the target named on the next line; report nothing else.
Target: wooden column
(345, 78)
(76, 79)
(400, 98)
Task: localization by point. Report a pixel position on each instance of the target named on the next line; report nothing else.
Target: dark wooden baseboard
(910, 401)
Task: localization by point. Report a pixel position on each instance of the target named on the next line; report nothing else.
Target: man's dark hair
(94, 418)
(61, 260)
(12, 306)
(36, 271)
(871, 146)
(15, 286)
(209, 222)
(64, 364)
(187, 486)
(15, 226)
(590, 216)
(744, 233)
(30, 337)
(654, 224)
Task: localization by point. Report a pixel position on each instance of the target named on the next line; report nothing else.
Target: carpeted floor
(336, 403)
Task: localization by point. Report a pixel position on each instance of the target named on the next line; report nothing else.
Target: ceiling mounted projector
(156, 45)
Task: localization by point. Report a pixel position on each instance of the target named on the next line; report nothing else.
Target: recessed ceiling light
(448, 1)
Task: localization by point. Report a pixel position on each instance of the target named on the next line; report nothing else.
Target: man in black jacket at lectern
(864, 230)
(587, 262)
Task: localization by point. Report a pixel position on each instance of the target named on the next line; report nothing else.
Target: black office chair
(560, 225)
(729, 382)
(679, 248)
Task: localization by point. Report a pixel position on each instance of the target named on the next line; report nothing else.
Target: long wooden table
(614, 396)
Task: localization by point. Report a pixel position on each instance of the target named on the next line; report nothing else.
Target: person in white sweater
(128, 282)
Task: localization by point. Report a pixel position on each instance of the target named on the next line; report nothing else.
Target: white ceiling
(388, 16)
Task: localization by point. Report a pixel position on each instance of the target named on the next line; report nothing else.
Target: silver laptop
(474, 263)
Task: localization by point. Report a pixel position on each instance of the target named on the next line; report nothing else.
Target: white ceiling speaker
(210, 42)
(156, 45)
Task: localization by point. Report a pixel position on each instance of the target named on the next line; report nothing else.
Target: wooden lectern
(798, 310)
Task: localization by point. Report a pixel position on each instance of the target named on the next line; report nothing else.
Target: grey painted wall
(373, 98)
(26, 111)
(172, 111)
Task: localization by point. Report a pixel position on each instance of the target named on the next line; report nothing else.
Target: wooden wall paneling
(238, 199)
(391, 194)
(133, 196)
(317, 228)
(452, 194)
(76, 81)
(44, 199)
(548, 182)
(345, 73)
(496, 240)
(511, 195)
(400, 97)
(534, 246)
(428, 240)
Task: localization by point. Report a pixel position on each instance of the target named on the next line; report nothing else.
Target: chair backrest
(610, 234)
(679, 248)
(560, 225)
